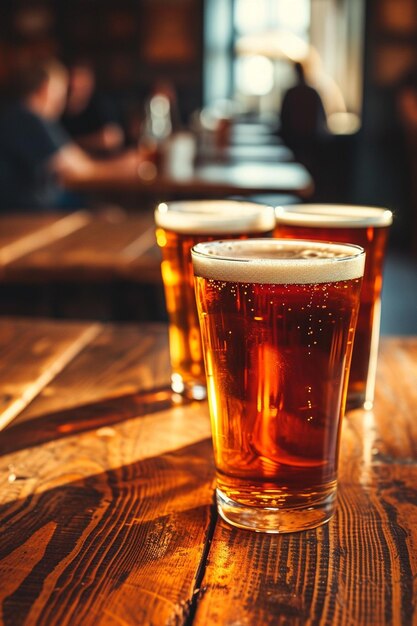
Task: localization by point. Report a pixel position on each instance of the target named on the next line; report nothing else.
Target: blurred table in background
(210, 180)
(240, 153)
(82, 245)
(104, 265)
(250, 159)
(254, 133)
(106, 494)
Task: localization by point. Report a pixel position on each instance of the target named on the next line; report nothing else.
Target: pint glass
(180, 225)
(367, 227)
(277, 322)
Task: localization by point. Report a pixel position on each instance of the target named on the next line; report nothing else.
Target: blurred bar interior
(201, 85)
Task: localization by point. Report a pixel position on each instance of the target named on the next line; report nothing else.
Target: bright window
(325, 35)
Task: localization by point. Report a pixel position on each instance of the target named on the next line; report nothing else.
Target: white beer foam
(277, 261)
(333, 215)
(215, 217)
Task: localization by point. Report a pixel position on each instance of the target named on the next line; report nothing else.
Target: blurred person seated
(304, 129)
(86, 118)
(328, 89)
(37, 157)
(303, 118)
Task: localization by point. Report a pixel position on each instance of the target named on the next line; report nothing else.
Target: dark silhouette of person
(303, 119)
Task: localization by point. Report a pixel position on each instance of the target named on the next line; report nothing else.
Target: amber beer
(181, 225)
(277, 322)
(367, 227)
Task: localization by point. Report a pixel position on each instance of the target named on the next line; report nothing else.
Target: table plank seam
(140, 245)
(198, 591)
(34, 389)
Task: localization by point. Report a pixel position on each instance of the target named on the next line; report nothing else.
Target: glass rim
(275, 241)
(329, 215)
(215, 217)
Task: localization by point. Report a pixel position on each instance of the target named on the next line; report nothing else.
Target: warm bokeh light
(343, 123)
(293, 14)
(254, 75)
(274, 45)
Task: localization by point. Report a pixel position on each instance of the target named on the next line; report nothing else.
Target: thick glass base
(275, 520)
(193, 390)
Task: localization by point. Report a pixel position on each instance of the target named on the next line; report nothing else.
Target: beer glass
(180, 225)
(367, 227)
(277, 323)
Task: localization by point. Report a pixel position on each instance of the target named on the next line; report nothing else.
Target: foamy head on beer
(333, 216)
(265, 261)
(215, 217)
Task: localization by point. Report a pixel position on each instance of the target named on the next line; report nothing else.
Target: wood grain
(118, 361)
(107, 517)
(13, 227)
(120, 546)
(121, 373)
(22, 234)
(31, 356)
(395, 411)
(102, 250)
(360, 569)
(108, 525)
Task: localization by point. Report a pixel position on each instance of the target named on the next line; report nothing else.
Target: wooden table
(106, 497)
(240, 153)
(82, 245)
(82, 265)
(247, 133)
(210, 180)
